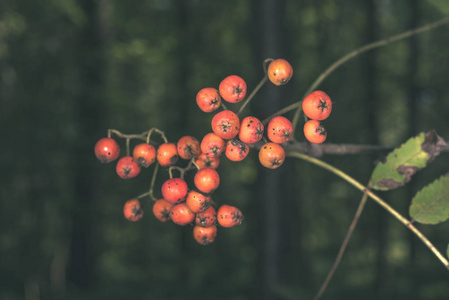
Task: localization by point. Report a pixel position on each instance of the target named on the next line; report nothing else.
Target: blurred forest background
(70, 70)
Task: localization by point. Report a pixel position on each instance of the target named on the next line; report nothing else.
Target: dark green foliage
(70, 70)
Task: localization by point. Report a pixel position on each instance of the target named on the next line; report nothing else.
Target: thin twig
(343, 245)
(356, 53)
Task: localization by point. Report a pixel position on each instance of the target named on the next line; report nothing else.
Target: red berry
(232, 89)
(317, 105)
(204, 161)
(167, 155)
(315, 132)
(198, 202)
(279, 71)
(279, 130)
(208, 99)
(271, 155)
(107, 150)
(251, 130)
(127, 167)
(207, 180)
(205, 235)
(236, 150)
(132, 210)
(229, 216)
(212, 145)
(206, 218)
(180, 214)
(226, 124)
(161, 210)
(188, 147)
(174, 190)
(144, 154)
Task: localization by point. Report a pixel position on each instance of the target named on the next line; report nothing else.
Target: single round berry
(167, 155)
(180, 214)
(279, 71)
(232, 89)
(226, 124)
(144, 154)
(174, 190)
(205, 161)
(229, 216)
(212, 145)
(161, 210)
(317, 105)
(271, 155)
(236, 150)
(127, 167)
(279, 130)
(207, 180)
(208, 99)
(315, 132)
(188, 147)
(107, 150)
(198, 202)
(206, 218)
(204, 235)
(132, 210)
(251, 130)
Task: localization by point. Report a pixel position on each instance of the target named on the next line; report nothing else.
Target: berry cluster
(178, 204)
(229, 135)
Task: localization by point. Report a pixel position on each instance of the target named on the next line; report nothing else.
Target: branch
(319, 150)
(377, 199)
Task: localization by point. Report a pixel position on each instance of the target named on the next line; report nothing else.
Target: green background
(70, 70)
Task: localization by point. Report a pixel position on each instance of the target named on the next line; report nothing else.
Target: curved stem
(251, 96)
(353, 54)
(342, 250)
(258, 87)
(377, 199)
(153, 180)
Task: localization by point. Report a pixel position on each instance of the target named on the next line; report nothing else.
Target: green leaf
(403, 162)
(431, 204)
(447, 251)
(441, 5)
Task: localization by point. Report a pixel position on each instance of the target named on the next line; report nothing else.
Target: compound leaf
(431, 204)
(402, 163)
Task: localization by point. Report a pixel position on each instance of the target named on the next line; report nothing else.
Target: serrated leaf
(431, 204)
(403, 162)
(441, 5)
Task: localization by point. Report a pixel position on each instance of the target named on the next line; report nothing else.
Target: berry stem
(150, 132)
(193, 162)
(153, 180)
(258, 86)
(141, 136)
(143, 195)
(376, 198)
(127, 146)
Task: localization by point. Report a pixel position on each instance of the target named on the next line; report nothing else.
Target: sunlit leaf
(402, 163)
(431, 204)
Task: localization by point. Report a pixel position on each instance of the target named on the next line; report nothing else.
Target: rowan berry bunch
(230, 136)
